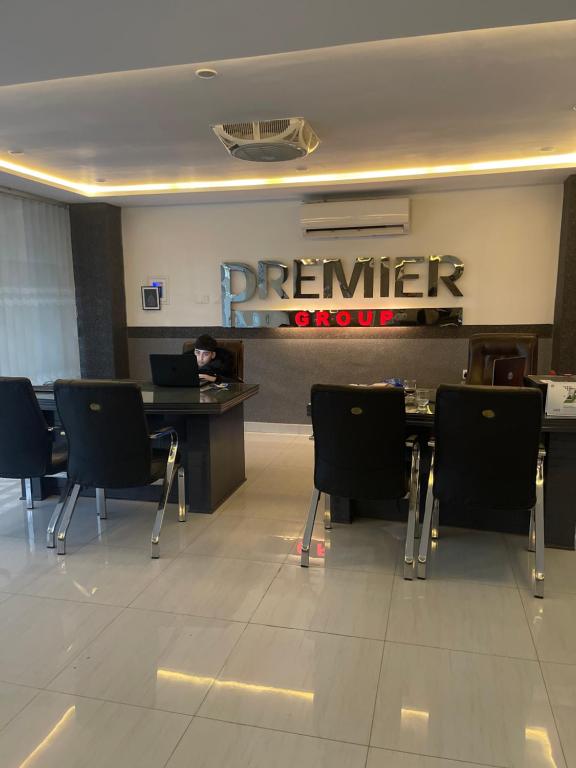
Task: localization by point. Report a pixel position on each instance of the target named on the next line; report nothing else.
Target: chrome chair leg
(181, 495)
(427, 524)
(539, 528)
(28, 491)
(101, 504)
(305, 556)
(413, 512)
(66, 518)
(166, 487)
(435, 530)
(327, 513)
(532, 532)
(55, 519)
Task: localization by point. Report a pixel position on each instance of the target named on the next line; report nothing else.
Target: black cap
(206, 343)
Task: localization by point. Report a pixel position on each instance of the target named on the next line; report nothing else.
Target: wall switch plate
(162, 284)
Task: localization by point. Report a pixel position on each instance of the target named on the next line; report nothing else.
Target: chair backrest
(108, 443)
(25, 442)
(483, 349)
(359, 441)
(487, 441)
(236, 349)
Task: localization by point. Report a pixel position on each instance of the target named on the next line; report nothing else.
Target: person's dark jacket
(222, 366)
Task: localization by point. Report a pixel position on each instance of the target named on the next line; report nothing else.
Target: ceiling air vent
(268, 141)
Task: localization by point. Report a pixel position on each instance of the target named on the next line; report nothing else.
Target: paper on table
(561, 399)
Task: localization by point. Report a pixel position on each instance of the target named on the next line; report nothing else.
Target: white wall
(508, 239)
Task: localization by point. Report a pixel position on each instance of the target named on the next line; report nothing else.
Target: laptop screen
(509, 371)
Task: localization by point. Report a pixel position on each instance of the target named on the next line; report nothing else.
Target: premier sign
(383, 274)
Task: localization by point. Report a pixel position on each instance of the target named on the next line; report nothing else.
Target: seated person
(214, 363)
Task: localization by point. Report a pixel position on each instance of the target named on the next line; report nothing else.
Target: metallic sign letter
(276, 283)
(334, 266)
(448, 280)
(299, 278)
(400, 276)
(227, 296)
(384, 276)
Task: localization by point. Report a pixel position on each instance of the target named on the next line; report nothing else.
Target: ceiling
(392, 105)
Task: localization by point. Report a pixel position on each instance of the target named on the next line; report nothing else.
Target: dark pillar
(100, 298)
(564, 334)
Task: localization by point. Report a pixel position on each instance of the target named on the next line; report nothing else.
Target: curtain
(38, 331)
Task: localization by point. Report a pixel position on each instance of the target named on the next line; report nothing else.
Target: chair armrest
(432, 442)
(163, 432)
(411, 441)
(541, 452)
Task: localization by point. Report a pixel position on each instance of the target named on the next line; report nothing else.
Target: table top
(183, 400)
(425, 419)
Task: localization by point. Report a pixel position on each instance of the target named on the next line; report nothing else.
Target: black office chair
(109, 446)
(487, 455)
(28, 447)
(485, 348)
(360, 453)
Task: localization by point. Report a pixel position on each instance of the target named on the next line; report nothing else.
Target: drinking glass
(422, 399)
(410, 390)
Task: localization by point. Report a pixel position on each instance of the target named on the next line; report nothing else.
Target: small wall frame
(150, 297)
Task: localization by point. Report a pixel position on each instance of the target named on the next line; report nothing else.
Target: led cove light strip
(103, 190)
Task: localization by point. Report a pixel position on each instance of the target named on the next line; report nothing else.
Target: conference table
(210, 425)
(559, 439)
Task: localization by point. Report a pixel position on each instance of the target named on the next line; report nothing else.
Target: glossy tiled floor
(225, 653)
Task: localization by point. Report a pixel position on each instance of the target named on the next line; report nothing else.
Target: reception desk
(210, 425)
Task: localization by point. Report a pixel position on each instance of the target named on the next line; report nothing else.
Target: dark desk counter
(210, 425)
(184, 400)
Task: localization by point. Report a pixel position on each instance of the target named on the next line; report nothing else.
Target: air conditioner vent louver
(239, 130)
(268, 141)
(269, 128)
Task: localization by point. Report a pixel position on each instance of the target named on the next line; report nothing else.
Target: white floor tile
(265, 503)
(213, 744)
(38, 636)
(365, 545)
(58, 731)
(129, 524)
(462, 616)
(561, 684)
(210, 586)
(248, 538)
(559, 566)
(13, 698)
(21, 563)
(328, 600)
(177, 660)
(465, 706)
(385, 758)
(18, 522)
(466, 555)
(553, 625)
(291, 482)
(304, 682)
(105, 575)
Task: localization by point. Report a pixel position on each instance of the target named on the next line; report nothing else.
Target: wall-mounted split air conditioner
(356, 218)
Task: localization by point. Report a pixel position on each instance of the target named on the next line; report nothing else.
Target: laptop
(509, 371)
(175, 371)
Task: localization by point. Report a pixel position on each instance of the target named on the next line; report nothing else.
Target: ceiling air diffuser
(268, 141)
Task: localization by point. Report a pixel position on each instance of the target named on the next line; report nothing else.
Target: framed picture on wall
(150, 297)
